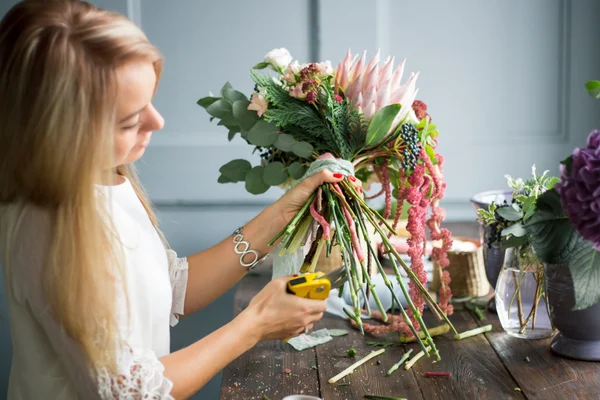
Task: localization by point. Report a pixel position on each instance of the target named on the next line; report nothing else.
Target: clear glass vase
(521, 296)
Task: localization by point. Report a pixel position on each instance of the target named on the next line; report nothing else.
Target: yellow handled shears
(316, 285)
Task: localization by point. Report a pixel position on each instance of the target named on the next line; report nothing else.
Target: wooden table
(492, 366)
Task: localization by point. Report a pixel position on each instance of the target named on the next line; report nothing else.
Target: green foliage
(509, 220)
(381, 124)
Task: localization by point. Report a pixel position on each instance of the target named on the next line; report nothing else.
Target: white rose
(279, 58)
(325, 69)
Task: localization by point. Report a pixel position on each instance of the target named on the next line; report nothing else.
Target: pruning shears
(316, 285)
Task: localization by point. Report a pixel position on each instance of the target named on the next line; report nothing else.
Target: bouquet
(508, 223)
(358, 119)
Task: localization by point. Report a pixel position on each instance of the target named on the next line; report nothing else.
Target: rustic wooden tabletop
(492, 366)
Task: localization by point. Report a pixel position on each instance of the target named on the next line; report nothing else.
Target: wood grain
(368, 378)
(539, 373)
(487, 366)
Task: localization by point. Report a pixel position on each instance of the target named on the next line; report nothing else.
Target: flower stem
(357, 364)
(291, 226)
(416, 358)
(399, 363)
(473, 332)
(388, 283)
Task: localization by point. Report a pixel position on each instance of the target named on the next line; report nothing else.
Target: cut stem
(399, 363)
(473, 332)
(415, 359)
(357, 364)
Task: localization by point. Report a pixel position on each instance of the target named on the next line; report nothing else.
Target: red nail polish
(337, 176)
(360, 189)
(352, 178)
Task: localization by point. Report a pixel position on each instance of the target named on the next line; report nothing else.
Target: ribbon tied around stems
(289, 264)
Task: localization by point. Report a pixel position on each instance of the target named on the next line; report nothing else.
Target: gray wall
(503, 80)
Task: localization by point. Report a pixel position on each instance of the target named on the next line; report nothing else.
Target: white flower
(291, 71)
(325, 69)
(258, 104)
(279, 58)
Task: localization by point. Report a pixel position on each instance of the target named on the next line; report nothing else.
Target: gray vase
(493, 255)
(579, 336)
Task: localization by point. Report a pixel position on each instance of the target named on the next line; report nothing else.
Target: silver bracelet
(242, 247)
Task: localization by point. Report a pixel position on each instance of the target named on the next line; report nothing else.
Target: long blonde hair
(58, 62)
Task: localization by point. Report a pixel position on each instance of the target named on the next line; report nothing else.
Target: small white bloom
(325, 69)
(279, 58)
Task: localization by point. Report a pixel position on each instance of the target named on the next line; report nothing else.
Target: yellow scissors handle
(313, 285)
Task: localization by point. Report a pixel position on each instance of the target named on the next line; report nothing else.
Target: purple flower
(580, 191)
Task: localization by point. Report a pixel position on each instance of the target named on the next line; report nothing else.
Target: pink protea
(370, 88)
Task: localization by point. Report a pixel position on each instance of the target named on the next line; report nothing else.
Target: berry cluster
(410, 154)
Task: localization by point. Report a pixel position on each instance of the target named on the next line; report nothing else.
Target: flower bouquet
(523, 271)
(358, 119)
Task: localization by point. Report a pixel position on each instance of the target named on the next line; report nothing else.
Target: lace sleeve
(178, 273)
(140, 377)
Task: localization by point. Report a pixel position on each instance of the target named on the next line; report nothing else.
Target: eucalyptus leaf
(285, 142)
(226, 86)
(245, 118)
(584, 266)
(235, 170)
(224, 179)
(219, 109)
(381, 123)
(593, 88)
(233, 95)
(515, 229)
(255, 182)
(296, 170)
(509, 213)
(303, 149)
(263, 134)
(207, 101)
(275, 173)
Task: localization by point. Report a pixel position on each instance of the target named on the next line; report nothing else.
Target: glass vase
(521, 295)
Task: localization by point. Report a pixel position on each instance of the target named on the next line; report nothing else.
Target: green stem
(291, 226)
(388, 283)
(371, 215)
(399, 363)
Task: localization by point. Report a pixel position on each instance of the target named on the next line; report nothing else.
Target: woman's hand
(290, 203)
(275, 314)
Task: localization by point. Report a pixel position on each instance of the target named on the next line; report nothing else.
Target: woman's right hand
(275, 314)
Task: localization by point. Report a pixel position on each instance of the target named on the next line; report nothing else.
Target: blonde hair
(58, 62)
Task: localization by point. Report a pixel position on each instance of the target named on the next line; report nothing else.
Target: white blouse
(46, 362)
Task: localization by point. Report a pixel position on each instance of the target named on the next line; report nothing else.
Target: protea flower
(371, 88)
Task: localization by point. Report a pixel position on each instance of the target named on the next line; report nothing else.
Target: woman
(91, 286)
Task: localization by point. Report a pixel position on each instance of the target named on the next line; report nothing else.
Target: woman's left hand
(290, 203)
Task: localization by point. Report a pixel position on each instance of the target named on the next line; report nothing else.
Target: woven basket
(467, 273)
